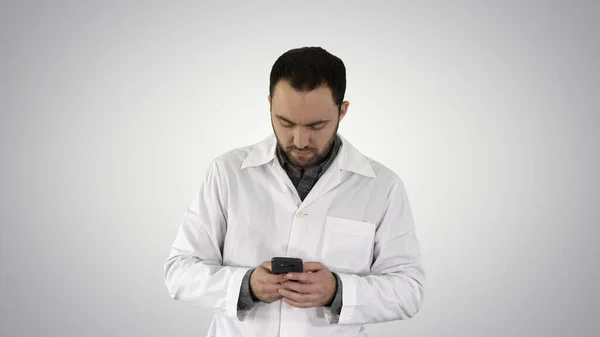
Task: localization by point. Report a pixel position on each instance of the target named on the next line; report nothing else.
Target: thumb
(267, 265)
(313, 266)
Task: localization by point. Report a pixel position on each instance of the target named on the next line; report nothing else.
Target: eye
(286, 124)
(317, 127)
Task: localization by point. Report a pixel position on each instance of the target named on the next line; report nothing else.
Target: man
(303, 192)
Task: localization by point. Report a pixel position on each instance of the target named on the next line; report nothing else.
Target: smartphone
(284, 265)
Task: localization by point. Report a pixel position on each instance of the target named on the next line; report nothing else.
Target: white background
(111, 111)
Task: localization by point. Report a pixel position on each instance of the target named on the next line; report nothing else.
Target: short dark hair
(307, 68)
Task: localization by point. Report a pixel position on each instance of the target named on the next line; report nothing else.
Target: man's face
(305, 123)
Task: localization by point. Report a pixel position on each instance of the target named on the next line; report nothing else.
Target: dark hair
(307, 68)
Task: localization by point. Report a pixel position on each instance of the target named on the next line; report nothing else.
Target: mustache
(292, 148)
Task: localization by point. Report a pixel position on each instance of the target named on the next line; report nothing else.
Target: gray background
(111, 112)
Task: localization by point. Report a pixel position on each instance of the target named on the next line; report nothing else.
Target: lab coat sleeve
(193, 270)
(393, 290)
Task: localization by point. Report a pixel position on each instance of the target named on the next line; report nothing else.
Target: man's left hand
(315, 287)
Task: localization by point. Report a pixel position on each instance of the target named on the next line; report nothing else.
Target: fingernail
(289, 276)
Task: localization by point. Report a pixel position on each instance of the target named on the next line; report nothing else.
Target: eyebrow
(320, 121)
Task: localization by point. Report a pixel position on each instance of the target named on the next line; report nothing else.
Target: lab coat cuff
(349, 299)
(233, 294)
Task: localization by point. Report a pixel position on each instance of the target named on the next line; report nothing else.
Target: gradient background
(111, 112)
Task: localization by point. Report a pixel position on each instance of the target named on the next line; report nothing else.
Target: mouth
(304, 153)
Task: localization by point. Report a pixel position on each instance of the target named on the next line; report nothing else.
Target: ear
(270, 102)
(344, 109)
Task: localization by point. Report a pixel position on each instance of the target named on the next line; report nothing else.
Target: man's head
(306, 96)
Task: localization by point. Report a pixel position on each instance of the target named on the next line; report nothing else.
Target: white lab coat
(356, 220)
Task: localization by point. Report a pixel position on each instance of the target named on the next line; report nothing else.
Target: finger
(313, 266)
(299, 304)
(272, 288)
(302, 277)
(274, 278)
(297, 297)
(300, 287)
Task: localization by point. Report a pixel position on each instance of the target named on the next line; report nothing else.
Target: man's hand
(315, 287)
(265, 285)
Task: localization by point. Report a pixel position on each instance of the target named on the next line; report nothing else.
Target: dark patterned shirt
(305, 179)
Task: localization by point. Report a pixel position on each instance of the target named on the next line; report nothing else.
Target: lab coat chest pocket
(348, 245)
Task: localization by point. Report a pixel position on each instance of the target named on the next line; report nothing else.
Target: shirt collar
(348, 158)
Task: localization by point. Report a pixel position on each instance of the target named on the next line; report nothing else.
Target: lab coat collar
(350, 159)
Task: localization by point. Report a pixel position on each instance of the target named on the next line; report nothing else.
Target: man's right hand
(265, 285)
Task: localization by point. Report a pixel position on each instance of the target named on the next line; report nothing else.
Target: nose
(301, 138)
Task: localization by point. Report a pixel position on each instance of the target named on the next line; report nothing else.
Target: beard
(317, 156)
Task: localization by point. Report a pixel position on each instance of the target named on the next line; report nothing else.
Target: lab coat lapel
(282, 177)
(349, 160)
